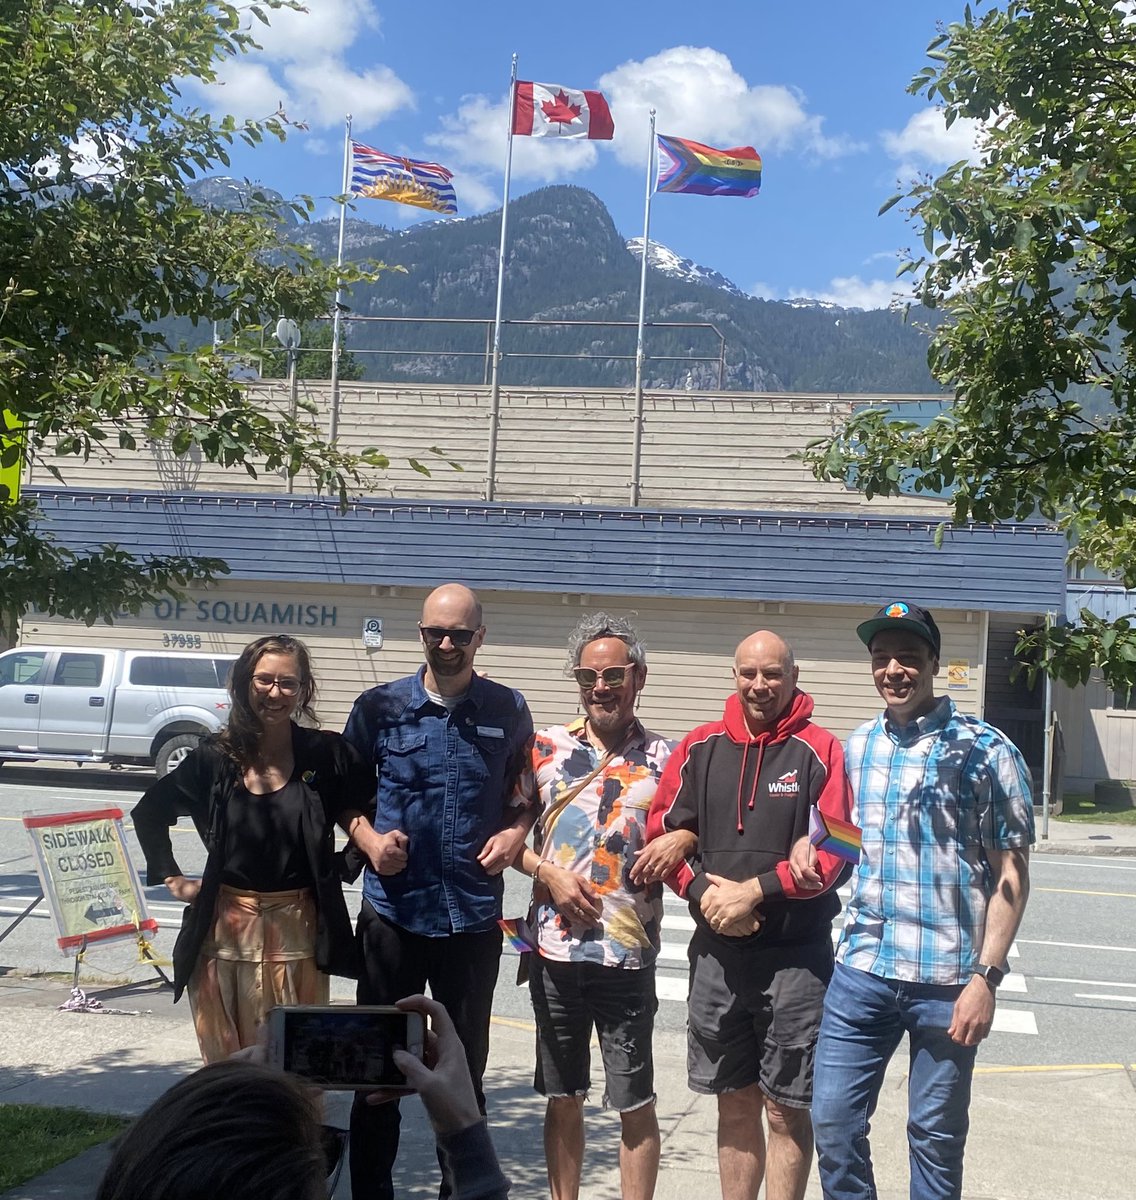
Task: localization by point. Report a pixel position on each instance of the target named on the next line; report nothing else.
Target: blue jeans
(864, 1019)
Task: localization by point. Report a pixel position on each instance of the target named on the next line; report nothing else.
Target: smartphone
(344, 1047)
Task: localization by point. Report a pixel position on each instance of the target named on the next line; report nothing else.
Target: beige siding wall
(705, 451)
(690, 647)
(1100, 741)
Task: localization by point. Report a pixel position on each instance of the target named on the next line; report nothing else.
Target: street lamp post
(288, 335)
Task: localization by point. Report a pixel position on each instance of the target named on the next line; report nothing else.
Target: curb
(1113, 849)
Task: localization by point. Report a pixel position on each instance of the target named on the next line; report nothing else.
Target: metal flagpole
(1047, 744)
(495, 377)
(333, 415)
(640, 356)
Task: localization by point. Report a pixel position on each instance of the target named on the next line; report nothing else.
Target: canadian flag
(549, 110)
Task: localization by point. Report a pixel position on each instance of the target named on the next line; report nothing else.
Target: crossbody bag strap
(556, 809)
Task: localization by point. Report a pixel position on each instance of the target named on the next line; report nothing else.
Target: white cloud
(325, 91)
(698, 94)
(326, 29)
(474, 138)
(301, 67)
(925, 141)
(695, 90)
(850, 291)
(88, 159)
(764, 291)
(474, 194)
(847, 291)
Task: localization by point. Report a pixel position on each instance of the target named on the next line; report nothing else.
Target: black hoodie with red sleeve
(746, 797)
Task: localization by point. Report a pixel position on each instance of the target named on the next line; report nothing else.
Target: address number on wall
(182, 641)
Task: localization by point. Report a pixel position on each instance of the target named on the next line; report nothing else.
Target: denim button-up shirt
(446, 779)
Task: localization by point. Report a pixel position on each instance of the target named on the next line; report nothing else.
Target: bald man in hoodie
(761, 954)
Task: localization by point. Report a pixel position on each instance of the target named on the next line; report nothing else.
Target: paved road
(1054, 1099)
(1070, 998)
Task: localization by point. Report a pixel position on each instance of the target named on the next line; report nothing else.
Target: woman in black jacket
(267, 922)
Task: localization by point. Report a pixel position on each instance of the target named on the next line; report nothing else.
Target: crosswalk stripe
(1014, 1020)
(669, 988)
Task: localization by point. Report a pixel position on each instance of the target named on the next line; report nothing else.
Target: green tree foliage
(99, 240)
(1031, 255)
(314, 359)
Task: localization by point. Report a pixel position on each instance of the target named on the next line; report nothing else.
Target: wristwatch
(992, 975)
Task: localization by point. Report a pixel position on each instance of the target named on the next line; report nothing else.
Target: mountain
(221, 191)
(664, 260)
(570, 268)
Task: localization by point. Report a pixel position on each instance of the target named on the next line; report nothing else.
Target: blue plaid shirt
(931, 798)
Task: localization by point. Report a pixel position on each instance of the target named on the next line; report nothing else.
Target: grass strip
(33, 1139)
(1084, 810)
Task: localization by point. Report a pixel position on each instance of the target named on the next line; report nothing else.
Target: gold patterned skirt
(259, 953)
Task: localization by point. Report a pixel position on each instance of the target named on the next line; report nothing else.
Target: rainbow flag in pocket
(841, 838)
(516, 929)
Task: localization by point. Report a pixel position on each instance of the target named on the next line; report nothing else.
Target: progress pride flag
(549, 110)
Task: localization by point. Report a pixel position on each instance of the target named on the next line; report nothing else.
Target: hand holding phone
(442, 1076)
(346, 1047)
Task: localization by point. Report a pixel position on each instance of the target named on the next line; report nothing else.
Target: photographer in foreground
(240, 1128)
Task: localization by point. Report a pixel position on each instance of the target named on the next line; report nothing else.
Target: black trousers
(461, 970)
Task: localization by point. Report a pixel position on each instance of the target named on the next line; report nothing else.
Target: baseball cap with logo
(901, 615)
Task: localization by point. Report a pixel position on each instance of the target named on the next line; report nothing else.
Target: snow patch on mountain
(663, 258)
(808, 302)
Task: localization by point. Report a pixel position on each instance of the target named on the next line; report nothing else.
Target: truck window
(79, 670)
(21, 668)
(161, 670)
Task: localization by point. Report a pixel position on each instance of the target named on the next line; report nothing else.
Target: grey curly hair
(593, 626)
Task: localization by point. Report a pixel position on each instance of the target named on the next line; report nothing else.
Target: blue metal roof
(819, 558)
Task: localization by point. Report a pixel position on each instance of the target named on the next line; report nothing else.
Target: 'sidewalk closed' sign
(87, 877)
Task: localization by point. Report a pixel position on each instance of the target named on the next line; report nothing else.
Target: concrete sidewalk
(1036, 1131)
(1085, 837)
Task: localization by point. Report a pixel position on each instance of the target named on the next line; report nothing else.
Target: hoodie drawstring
(756, 776)
(741, 780)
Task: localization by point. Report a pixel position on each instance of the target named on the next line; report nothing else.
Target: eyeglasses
(613, 677)
(288, 686)
(435, 635)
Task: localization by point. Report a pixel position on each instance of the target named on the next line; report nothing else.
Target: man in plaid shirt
(947, 815)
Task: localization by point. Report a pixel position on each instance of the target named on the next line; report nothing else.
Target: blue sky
(817, 86)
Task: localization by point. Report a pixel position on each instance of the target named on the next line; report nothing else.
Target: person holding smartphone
(241, 1128)
(266, 923)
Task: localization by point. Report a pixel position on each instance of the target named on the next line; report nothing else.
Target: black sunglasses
(435, 635)
(613, 677)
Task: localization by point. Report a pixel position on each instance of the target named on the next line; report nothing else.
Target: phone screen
(346, 1048)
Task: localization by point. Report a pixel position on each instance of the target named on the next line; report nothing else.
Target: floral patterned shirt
(598, 835)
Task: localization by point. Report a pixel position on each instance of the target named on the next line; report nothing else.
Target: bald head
(765, 672)
(766, 644)
(453, 605)
(452, 633)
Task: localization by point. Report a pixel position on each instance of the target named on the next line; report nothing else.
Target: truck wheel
(172, 753)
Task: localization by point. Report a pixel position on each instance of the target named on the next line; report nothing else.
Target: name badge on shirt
(490, 731)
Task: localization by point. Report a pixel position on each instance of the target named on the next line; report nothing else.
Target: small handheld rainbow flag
(841, 838)
(516, 929)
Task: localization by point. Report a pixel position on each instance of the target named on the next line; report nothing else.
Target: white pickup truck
(147, 707)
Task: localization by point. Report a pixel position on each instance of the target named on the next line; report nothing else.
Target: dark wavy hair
(233, 1129)
(241, 737)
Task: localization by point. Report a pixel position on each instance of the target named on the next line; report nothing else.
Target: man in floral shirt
(596, 930)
